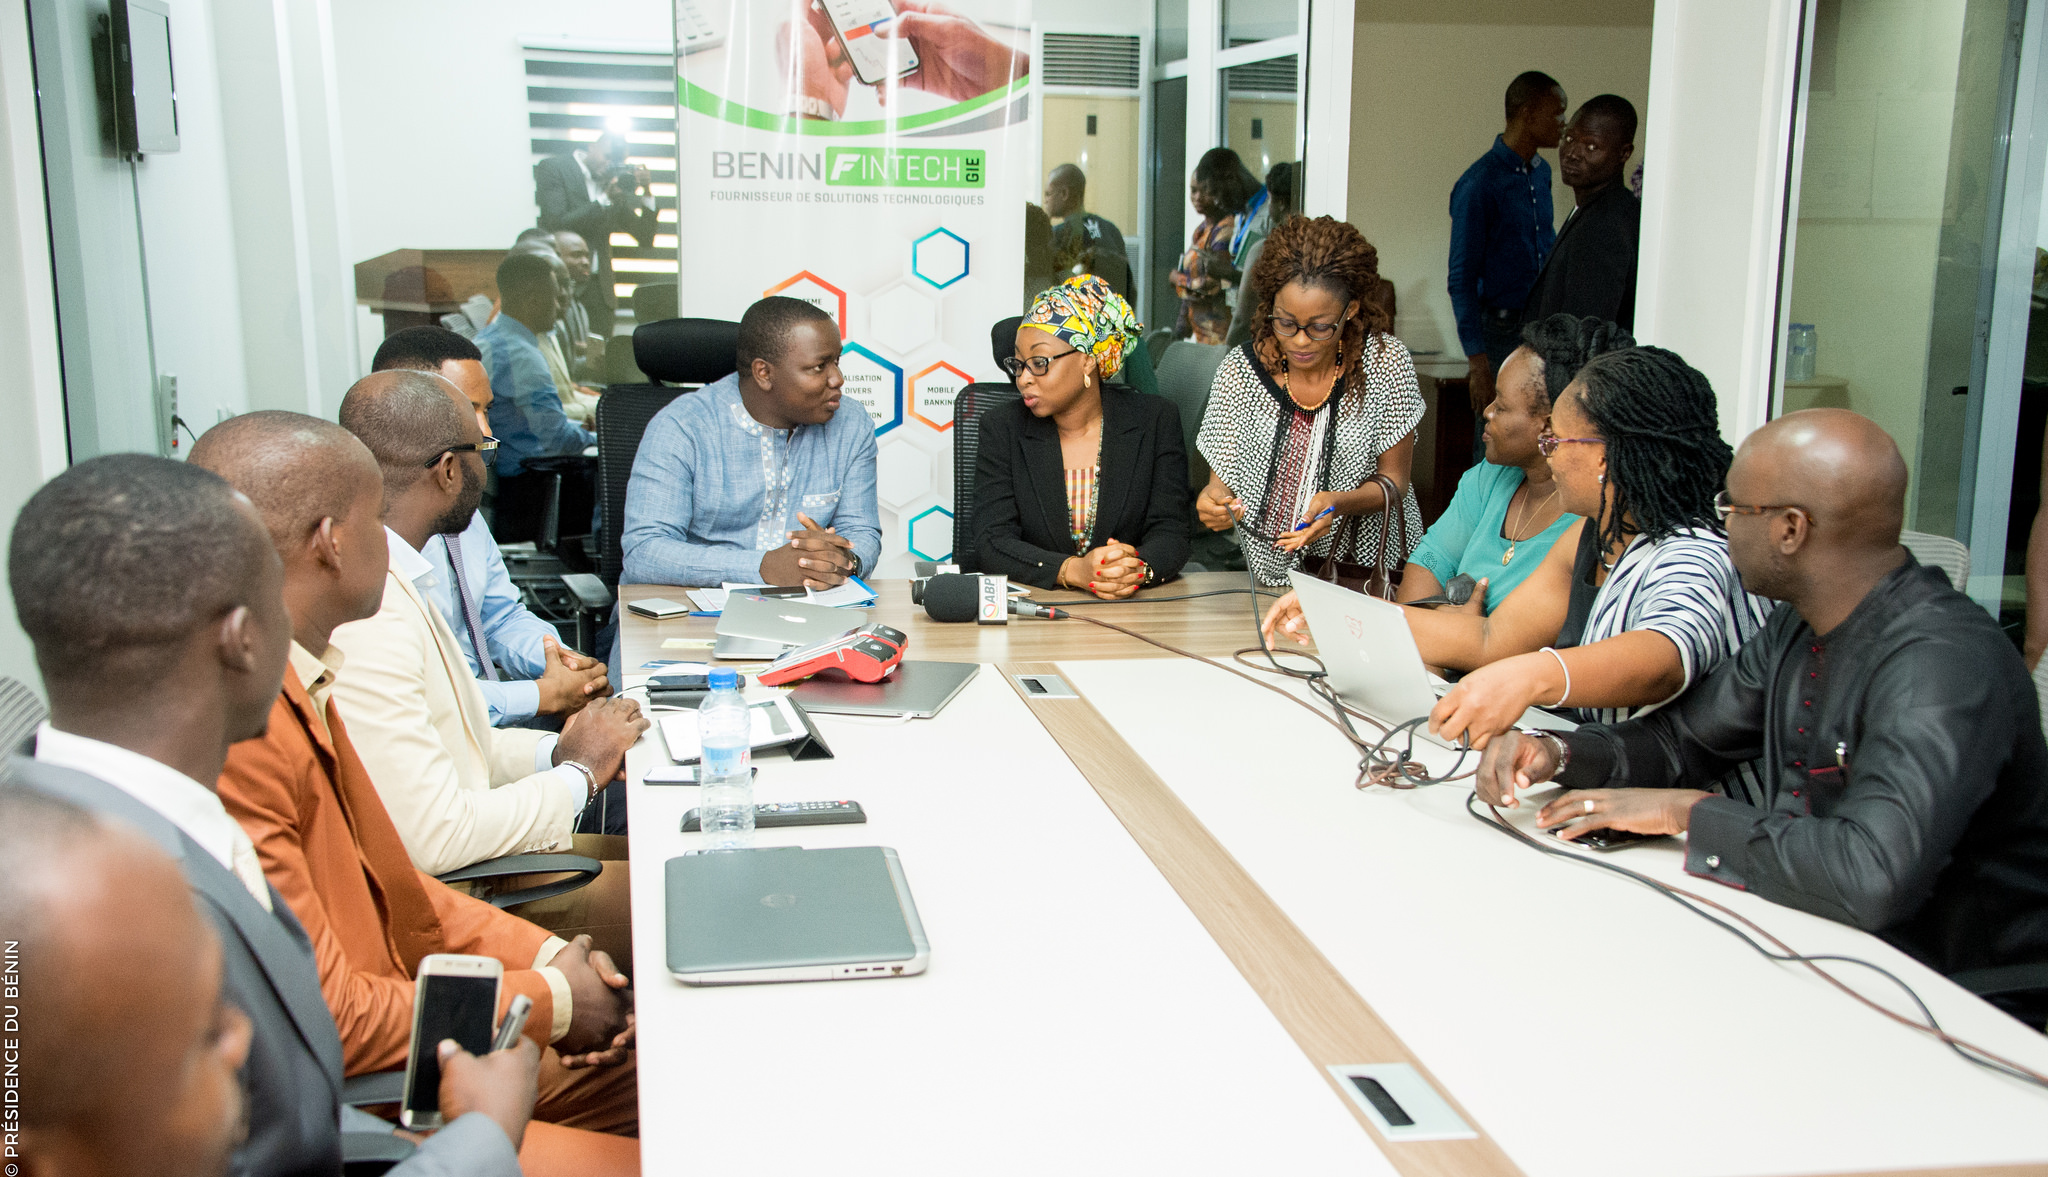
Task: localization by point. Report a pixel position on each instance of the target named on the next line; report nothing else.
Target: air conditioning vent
(1276, 76)
(1099, 61)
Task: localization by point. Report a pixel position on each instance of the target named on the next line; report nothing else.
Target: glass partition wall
(1892, 286)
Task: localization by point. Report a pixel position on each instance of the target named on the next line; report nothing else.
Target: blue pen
(1318, 515)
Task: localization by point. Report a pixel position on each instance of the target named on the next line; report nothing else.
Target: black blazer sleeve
(1163, 510)
(1003, 543)
(564, 204)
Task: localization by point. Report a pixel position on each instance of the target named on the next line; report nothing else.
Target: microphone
(955, 597)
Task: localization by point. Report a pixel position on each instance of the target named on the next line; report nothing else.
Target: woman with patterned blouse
(1304, 414)
(1080, 483)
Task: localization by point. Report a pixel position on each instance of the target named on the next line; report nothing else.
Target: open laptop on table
(754, 627)
(1372, 659)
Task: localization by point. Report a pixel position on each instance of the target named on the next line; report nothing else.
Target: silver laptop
(1370, 652)
(917, 689)
(788, 914)
(764, 627)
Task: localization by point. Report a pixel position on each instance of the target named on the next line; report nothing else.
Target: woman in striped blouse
(1638, 600)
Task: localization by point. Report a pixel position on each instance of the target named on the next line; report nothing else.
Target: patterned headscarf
(1091, 317)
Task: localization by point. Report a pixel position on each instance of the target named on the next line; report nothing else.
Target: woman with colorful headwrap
(1082, 484)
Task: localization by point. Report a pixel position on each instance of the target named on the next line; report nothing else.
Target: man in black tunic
(1896, 730)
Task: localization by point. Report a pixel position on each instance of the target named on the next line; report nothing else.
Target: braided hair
(1327, 254)
(1665, 454)
(1563, 343)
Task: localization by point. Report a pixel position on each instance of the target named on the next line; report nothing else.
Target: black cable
(1135, 599)
(1696, 903)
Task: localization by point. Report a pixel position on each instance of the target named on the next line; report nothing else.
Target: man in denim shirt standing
(1502, 228)
(765, 477)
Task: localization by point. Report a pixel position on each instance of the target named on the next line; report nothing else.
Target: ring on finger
(1589, 805)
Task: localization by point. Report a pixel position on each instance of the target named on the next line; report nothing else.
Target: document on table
(854, 593)
(775, 723)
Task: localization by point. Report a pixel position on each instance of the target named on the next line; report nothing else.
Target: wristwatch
(589, 777)
(809, 107)
(1563, 750)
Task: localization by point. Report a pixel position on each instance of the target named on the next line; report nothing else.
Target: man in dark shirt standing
(1502, 227)
(593, 192)
(1080, 238)
(1592, 269)
(1896, 730)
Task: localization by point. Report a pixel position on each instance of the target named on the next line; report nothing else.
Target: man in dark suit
(1592, 269)
(154, 599)
(593, 193)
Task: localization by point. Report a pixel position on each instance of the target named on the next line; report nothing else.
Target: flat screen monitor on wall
(145, 88)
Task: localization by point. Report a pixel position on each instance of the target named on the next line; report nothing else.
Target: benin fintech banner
(864, 156)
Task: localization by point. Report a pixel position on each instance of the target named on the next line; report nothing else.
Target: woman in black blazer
(1080, 485)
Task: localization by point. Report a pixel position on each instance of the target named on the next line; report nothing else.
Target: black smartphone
(794, 590)
(454, 997)
(1612, 839)
(679, 682)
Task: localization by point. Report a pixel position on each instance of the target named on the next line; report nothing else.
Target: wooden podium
(415, 287)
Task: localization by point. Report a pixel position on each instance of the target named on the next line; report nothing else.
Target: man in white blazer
(459, 790)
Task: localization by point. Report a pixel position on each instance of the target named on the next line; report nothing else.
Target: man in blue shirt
(765, 477)
(526, 415)
(1502, 228)
(528, 673)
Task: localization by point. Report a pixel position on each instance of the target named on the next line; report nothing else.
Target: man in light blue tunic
(764, 477)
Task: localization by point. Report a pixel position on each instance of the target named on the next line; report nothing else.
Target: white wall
(1721, 93)
(31, 382)
(433, 122)
(1412, 135)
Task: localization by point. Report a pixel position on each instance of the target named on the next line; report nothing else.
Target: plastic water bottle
(725, 797)
(1802, 352)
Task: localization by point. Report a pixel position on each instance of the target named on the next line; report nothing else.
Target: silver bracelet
(1567, 676)
(589, 777)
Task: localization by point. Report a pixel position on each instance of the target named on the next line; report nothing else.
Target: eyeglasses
(1287, 328)
(484, 447)
(1547, 442)
(1039, 365)
(1725, 506)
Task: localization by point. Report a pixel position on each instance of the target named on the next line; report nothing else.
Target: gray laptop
(736, 917)
(1370, 652)
(917, 689)
(764, 627)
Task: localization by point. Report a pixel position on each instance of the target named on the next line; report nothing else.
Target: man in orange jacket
(328, 846)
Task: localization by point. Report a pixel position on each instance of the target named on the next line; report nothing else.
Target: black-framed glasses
(1547, 442)
(1725, 506)
(484, 447)
(1039, 365)
(1287, 328)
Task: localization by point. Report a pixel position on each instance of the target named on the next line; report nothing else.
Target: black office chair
(968, 407)
(677, 355)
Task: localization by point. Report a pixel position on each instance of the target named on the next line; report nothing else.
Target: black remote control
(794, 813)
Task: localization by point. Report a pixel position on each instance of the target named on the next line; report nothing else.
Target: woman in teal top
(1506, 514)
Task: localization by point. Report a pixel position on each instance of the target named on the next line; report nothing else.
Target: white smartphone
(659, 608)
(453, 997)
(863, 30)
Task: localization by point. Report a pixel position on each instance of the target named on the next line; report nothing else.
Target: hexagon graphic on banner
(931, 530)
(901, 319)
(876, 383)
(903, 475)
(932, 392)
(939, 257)
(816, 291)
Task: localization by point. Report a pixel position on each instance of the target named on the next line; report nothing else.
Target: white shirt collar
(407, 561)
(183, 802)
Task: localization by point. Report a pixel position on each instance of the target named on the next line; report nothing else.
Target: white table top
(1076, 1019)
(1588, 1024)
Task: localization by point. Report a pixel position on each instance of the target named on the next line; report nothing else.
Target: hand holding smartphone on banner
(891, 43)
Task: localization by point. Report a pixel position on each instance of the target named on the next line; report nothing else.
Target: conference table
(1160, 912)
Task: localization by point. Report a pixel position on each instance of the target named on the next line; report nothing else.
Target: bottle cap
(725, 678)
